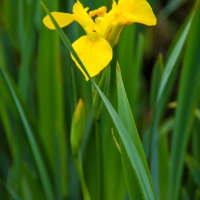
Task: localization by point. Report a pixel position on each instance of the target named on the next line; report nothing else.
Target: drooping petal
(136, 11)
(63, 19)
(95, 54)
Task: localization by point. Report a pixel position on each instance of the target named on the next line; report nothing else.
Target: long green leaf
(36, 153)
(163, 159)
(128, 120)
(131, 60)
(164, 89)
(52, 132)
(155, 80)
(27, 34)
(187, 100)
(131, 149)
(174, 56)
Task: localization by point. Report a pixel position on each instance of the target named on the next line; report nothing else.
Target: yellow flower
(102, 29)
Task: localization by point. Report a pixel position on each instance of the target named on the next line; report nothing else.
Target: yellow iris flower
(102, 29)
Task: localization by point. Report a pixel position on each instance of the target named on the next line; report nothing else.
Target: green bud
(77, 128)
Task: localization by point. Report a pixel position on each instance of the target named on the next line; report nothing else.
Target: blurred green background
(40, 88)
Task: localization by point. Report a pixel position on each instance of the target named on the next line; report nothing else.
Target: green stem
(86, 194)
(99, 161)
(74, 86)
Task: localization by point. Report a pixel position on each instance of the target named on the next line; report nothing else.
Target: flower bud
(77, 128)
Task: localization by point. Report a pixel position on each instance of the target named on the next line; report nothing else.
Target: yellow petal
(136, 11)
(81, 15)
(100, 12)
(63, 19)
(95, 54)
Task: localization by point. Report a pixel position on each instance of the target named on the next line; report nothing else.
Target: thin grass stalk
(99, 151)
(36, 153)
(79, 167)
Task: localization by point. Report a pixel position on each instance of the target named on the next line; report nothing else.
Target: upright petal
(95, 54)
(83, 18)
(136, 11)
(63, 19)
(100, 12)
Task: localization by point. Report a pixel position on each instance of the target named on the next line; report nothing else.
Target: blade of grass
(163, 162)
(112, 175)
(126, 59)
(127, 117)
(27, 33)
(36, 153)
(52, 131)
(12, 194)
(174, 56)
(188, 97)
(10, 12)
(131, 149)
(164, 89)
(131, 60)
(7, 105)
(157, 111)
(155, 80)
(30, 189)
(196, 141)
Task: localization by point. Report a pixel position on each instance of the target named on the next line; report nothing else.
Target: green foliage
(134, 145)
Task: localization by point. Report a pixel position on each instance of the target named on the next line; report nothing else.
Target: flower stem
(99, 150)
(86, 194)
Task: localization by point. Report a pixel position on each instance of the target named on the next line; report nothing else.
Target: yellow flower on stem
(102, 29)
